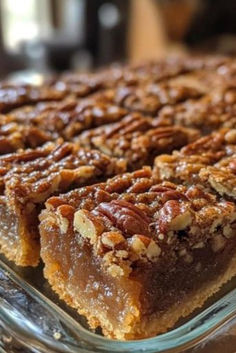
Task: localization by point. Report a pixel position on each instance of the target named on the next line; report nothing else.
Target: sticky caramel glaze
(14, 240)
(77, 277)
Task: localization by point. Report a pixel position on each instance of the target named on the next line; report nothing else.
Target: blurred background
(43, 36)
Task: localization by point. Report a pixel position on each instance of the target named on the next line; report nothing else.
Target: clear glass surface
(33, 318)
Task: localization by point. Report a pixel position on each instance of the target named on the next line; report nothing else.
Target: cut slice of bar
(14, 136)
(213, 111)
(114, 251)
(69, 117)
(174, 66)
(221, 177)
(185, 165)
(28, 178)
(138, 139)
(156, 71)
(152, 97)
(12, 96)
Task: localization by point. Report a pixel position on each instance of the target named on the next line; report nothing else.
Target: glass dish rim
(185, 336)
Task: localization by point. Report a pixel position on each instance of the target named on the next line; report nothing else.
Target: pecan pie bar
(162, 70)
(28, 178)
(69, 117)
(139, 251)
(133, 255)
(14, 136)
(12, 96)
(152, 97)
(185, 165)
(138, 139)
(212, 111)
(149, 97)
(81, 85)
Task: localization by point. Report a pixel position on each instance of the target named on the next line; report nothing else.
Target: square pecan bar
(13, 96)
(137, 138)
(151, 97)
(77, 86)
(28, 178)
(221, 177)
(69, 117)
(114, 251)
(186, 164)
(14, 136)
(214, 110)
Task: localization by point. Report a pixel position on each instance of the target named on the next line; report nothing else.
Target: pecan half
(125, 216)
(168, 193)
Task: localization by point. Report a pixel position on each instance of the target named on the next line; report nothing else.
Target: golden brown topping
(12, 96)
(186, 165)
(152, 96)
(68, 118)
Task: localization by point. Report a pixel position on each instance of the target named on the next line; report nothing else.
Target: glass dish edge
(183, 337)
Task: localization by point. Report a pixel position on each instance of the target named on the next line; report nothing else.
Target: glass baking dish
(32, 317)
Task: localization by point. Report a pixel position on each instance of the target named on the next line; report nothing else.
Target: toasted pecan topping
(69, 117)
(222, 181)
(138, 139)
(12, 96)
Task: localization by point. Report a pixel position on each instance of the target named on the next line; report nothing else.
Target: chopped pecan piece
(86, 224)
(174, 216)
(145, 247)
